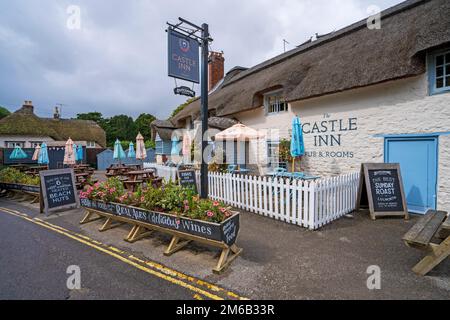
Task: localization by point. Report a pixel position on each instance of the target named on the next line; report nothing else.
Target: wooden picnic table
(138, 177)
(435, 225)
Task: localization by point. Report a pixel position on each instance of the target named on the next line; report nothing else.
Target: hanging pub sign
(58, 190)
(381, 189)
(184, 91)
(183, 57)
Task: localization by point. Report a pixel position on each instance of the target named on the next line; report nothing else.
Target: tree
(94, 116)
(4, 112)
(120, 127)
(142, 125)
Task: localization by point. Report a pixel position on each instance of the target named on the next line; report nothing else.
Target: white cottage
(363, 95)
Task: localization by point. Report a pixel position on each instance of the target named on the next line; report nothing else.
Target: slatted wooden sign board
(58, 190)
(381, 189)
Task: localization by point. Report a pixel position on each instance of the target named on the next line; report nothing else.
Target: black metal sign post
(204, 39)
(204, 112)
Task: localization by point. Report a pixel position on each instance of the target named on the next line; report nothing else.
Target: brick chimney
(27, 107)
(216, 65)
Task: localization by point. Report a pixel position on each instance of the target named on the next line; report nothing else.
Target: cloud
(116, 63)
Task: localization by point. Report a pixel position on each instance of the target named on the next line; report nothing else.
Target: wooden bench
(421, 235)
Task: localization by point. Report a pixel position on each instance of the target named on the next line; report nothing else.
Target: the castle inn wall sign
(328, 136)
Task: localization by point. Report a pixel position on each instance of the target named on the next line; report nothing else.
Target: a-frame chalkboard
(381, 189)
(58, 190)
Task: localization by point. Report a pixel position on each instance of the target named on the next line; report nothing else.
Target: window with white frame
(13, 144)
(91, 144)
(439, 72)
(34, 144)
(275, 103)
(273, 153)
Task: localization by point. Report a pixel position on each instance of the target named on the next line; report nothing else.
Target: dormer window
(275, 103)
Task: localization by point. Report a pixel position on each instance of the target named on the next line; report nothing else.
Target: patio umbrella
(37, 150)
(43, 155)
(18, 153)
(79, 153)
(238, 132)
(118, 151)
(175, 147)
(141, 152)
(75, 151)
(131, 152)
(69, 153)
(187, 143)
(297, 143)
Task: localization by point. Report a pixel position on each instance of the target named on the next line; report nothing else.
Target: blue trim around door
(418, 157)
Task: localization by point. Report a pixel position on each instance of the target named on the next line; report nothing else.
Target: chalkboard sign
(58, 190)
(381, 188)
(186, 178)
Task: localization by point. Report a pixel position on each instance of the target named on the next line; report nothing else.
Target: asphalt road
(34, 262)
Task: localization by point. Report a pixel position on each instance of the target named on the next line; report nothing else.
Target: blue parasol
(297, 143)
(118, 151)
(43, 155)
(18, 153)
(131, 152)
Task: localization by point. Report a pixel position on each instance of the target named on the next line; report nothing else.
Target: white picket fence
(310, 204)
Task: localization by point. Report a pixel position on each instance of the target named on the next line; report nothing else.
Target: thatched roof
(350, 58)
(165, 128)
(25, 122)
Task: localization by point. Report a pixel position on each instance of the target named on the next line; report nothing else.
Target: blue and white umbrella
(297, 143)
(43, 155)
(79, 153)
(17, 154)
(131, 152)
(119, 154)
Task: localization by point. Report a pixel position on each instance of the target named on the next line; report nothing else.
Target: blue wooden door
(418, 164)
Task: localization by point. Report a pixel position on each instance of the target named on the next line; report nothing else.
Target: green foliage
(122, 127)
(11, 175)
(170, 198)
(93, 116)
(285, 150)
(150, 144)
(142, 125)
(181, 107)
(4, 112)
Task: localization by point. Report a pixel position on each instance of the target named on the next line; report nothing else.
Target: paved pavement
(279, 261)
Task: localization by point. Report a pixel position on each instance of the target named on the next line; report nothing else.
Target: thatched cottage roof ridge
(24, 122)
(350, 58)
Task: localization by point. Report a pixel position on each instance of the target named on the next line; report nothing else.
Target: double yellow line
(199, 287)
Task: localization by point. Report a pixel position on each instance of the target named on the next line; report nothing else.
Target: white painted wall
(397, 107)
(27, 139)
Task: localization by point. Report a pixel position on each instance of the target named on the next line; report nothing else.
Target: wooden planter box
(183, 230)
(33, 191)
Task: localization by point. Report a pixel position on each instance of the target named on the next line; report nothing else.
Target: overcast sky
(117, 61)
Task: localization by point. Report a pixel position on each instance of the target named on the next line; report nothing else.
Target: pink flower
(216, 204)
(223, 210)
(186, 202)
(186, 208)
(210, 214)
(142, 199)
(112, 190)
